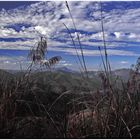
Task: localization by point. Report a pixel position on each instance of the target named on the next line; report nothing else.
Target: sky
(22, 23)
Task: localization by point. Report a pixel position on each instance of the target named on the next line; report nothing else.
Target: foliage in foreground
(44, 106)
(64, 106)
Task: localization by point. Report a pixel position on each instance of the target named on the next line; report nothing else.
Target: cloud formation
(21, 27)
(47, 18)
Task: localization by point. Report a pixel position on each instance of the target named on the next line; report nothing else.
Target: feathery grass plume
(37, 52)
(51, 61)
(78, 38)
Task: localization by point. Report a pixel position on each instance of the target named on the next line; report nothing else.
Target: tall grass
(41, 106)
(110, 110)
(78, 38)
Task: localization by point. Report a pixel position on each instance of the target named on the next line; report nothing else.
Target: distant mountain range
(122, 73)
(65, 69)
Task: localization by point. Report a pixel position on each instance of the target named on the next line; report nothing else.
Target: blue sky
(23, 22)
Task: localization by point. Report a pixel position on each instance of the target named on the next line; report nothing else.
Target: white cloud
(47, 18)
(42, 30)
(13, 62)
(86, 52)
(117, 34)
(64, 63)
(124, 62)
(67, 64)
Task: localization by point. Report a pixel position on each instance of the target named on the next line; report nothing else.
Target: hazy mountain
(65, 69)
(124, 73)
(5, 76)
(121, 73)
